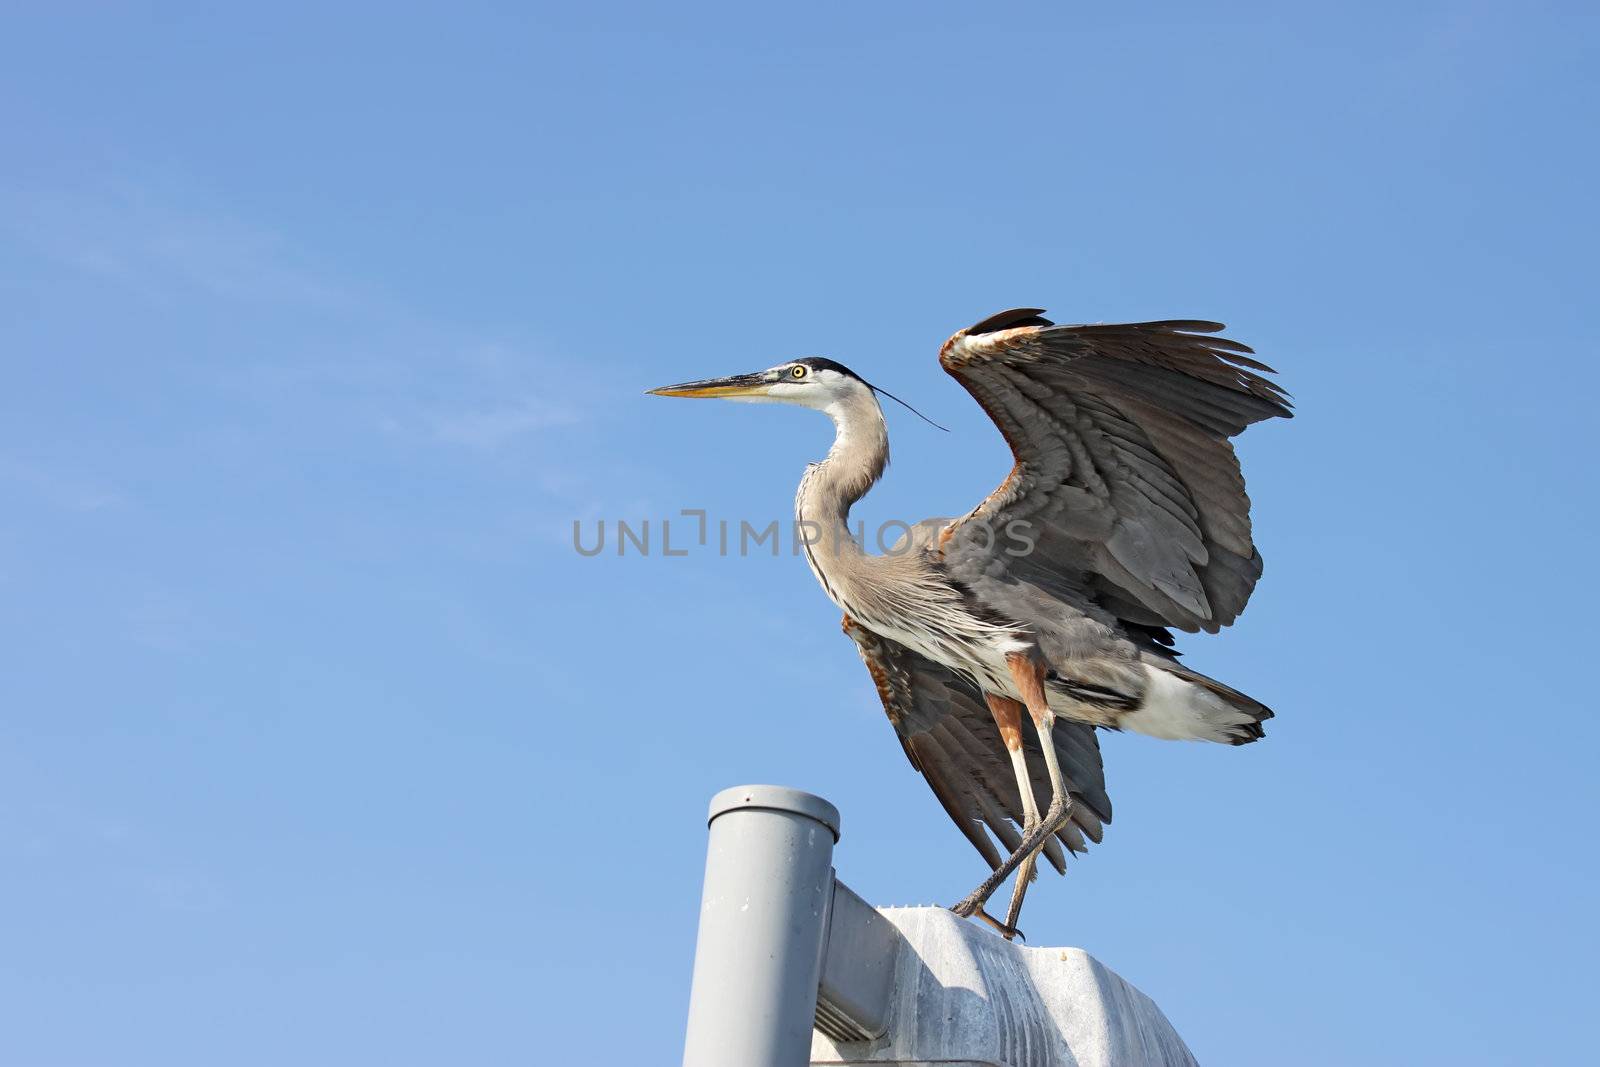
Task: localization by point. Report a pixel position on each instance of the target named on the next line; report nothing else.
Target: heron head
(811, 382)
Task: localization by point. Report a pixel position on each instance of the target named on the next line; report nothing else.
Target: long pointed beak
(733, 386)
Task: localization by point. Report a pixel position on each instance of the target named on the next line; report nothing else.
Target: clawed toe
(973, 909)
(1008, 932)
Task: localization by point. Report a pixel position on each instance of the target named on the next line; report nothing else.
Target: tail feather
(1183, 704)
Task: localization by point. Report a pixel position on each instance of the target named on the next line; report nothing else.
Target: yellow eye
(798, 371)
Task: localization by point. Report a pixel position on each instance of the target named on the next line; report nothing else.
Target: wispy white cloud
(504, 397)
(344, 359)
(165, 247)
(167, 240)
(493, 427)
(60, 489)
(56, 835)
(177, 890)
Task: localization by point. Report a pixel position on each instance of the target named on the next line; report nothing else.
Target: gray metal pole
(763, 916)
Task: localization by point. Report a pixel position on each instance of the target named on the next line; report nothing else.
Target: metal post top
(775, 798)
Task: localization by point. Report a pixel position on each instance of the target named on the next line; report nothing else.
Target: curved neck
(853, 465)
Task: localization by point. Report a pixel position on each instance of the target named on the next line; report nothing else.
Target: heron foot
(972, 904)
(1060, 809)
(969, 905)
(1007, 932)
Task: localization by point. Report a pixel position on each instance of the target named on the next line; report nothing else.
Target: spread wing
(948, 734)
(1125, 476)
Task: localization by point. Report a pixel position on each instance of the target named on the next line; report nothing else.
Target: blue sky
(320, 744)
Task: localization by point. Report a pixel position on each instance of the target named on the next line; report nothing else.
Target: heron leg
(1008, 717)
(1028, 674)
(1059, 812)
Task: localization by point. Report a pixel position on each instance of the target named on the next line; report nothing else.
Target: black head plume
(823, 363)
(908, 407)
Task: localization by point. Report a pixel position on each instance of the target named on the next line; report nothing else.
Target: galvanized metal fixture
(784, 946)
(763, 917)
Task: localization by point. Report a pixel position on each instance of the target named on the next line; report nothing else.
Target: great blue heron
(1124, 517)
